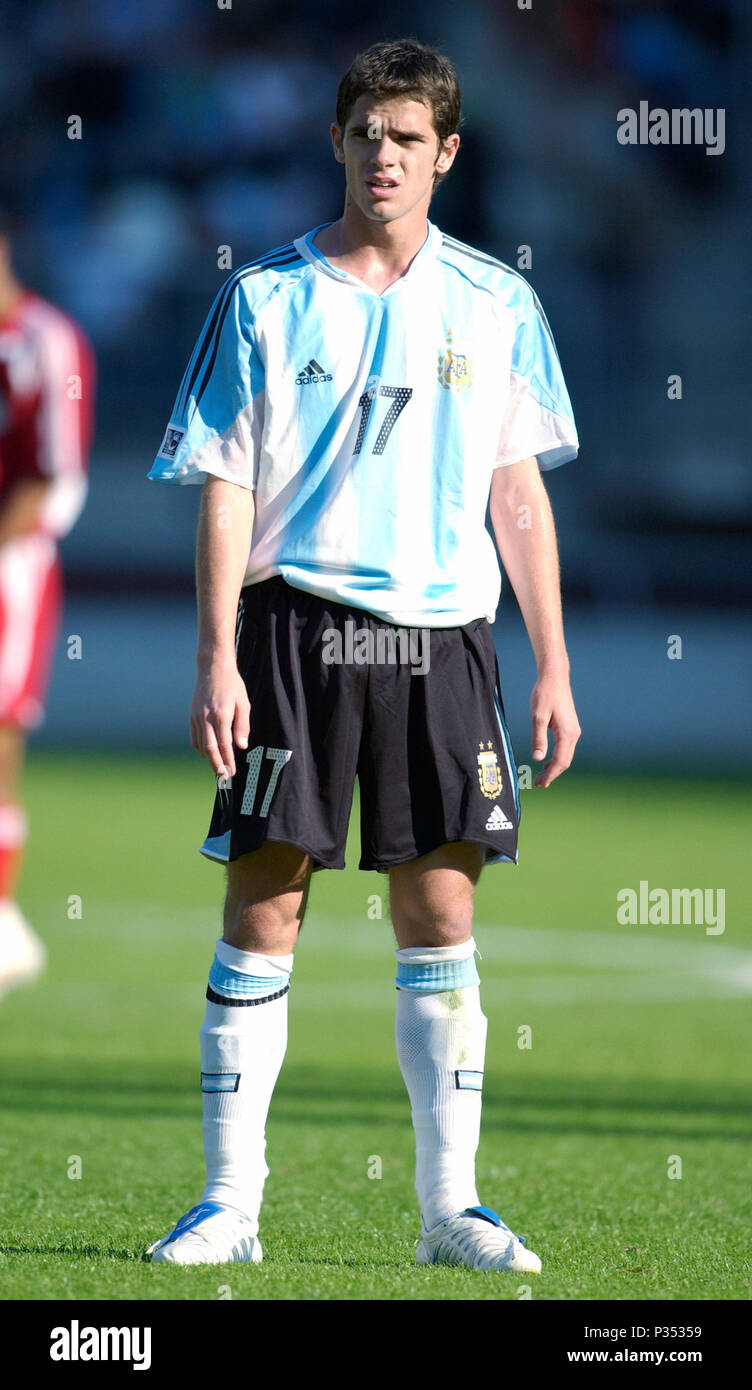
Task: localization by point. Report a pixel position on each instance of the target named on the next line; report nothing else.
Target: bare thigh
(267, 893)
(431, 897)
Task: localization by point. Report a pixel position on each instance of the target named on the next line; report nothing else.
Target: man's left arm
(525, 534)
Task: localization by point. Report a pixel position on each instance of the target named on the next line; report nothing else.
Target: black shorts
(335, 692)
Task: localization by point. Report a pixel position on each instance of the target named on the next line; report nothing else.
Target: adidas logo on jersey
(498, 821)
(312, 374)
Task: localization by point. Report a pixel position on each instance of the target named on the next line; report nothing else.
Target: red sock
(13, 827)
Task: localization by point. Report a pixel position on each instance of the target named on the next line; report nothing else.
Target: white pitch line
(623, 967)
(356, 995)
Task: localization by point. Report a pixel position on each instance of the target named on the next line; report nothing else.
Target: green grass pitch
(639, 1058)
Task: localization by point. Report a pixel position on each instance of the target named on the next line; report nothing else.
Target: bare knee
(266, 898)
(431, 898)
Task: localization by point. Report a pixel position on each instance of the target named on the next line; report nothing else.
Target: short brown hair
(404, 68)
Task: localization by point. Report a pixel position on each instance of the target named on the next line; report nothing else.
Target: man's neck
(376, 252)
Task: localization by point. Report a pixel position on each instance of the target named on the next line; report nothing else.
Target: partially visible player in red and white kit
(47, 382)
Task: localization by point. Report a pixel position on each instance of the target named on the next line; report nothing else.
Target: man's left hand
(552, 707)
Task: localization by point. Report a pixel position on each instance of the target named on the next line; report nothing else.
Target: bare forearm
(526, 537)
(222, 544)
(525, 534)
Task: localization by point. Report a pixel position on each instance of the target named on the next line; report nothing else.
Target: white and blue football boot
(209, 1234)
(478, 1239)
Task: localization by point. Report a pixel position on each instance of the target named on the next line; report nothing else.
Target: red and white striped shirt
(47, 384)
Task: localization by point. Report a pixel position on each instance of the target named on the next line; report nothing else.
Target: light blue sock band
(435, 976)
(235, 984)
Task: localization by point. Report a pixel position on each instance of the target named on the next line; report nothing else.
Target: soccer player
(46, 401)
(354, 400)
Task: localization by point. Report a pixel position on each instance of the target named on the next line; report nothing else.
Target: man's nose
(381, 151)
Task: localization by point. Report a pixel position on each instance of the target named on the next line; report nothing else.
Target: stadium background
(205, 127)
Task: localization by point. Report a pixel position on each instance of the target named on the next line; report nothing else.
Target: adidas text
(312, 374)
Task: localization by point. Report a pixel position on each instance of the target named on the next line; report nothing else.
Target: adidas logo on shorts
(498, 821)
(312, 374)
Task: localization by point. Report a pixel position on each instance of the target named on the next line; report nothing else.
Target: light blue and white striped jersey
(368, 425)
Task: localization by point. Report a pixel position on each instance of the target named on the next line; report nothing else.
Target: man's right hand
(220, 713)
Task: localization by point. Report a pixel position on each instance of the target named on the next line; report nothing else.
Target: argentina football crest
(489, 772)
(455, 369)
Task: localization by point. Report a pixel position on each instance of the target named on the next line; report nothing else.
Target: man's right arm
(220, 712)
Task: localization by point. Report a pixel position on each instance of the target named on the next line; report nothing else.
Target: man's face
(391, 152)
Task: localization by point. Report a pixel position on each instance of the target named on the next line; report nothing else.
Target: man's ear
(446, 155)
(336, 137)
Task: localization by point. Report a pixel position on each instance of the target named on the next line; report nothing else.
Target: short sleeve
(538, 419)
(52, 416)
(65, 424)
(217, 420)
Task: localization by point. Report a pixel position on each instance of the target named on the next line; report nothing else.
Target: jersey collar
(428, 252)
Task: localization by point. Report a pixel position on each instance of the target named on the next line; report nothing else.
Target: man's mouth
(380, 184)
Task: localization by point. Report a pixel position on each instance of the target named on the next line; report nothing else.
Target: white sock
(441, 1042)
(243, 1043)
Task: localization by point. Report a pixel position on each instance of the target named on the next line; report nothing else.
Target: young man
(353, 400)
(46, 402)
